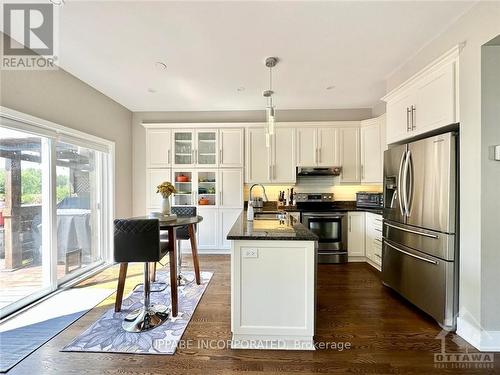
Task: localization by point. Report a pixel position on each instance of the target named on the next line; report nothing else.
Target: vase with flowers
(166, 189)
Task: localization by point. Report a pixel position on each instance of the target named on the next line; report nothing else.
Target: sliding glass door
(25, 258)
(79, 202)
(54, 211)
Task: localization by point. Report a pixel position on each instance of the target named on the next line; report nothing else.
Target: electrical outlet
(251, 253)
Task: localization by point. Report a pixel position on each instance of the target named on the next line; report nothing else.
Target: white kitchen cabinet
(283, 156)
(208, 229)
(158, 148)
(231, 148)
(371, 151)
(257, 157)
(207, 148)
(231, 188)
(306, 147)
(318, 147)
(227, 217)
(155, 177)
(436, 100)
(427, 101)
(356, 234)
(373, 239)
(399, 117)
(350, 155)
(195, 148)
(328, 147)
(273, 164)
(183, 147)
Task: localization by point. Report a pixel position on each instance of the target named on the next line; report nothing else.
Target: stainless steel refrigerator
(420, 252)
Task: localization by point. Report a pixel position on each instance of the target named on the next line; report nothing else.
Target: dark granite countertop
(338, 206)
(269, 230)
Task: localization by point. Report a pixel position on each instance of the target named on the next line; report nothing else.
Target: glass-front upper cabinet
(184, 152)
(206, 149)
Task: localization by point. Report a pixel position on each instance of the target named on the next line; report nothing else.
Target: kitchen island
(273, 279)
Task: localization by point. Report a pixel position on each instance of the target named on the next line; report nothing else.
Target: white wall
(59, 97)
(490, 187)
(476, 27)
(139, 133)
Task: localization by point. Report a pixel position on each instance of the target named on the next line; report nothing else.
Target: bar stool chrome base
(145, 319)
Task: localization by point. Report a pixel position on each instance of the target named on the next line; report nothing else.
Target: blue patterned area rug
(107, 334)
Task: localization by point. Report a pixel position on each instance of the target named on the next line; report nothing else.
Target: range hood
(318, 171)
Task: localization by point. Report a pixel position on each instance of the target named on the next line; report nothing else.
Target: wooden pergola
(14, 151)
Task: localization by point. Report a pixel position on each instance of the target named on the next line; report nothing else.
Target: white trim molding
(449, 57)
(211, 125)
(482, 340)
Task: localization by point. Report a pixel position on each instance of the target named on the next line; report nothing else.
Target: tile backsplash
(315, 185)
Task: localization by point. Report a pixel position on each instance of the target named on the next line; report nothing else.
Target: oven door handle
(324, 217)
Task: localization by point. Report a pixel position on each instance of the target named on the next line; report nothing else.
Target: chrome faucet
(250, 198)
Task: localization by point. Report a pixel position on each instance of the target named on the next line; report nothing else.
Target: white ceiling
(213, 48)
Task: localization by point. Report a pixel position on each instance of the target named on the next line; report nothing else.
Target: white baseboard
(482, 340)
(265, 342)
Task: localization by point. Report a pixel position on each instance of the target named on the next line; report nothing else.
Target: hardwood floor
(386, 334)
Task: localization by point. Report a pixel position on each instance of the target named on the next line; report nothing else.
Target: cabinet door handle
(350, 224)
(168, 156)
(193, 155)
(269, 172)
(319, 154)
(220, 156)
(413, 117)
(408, 111)
(220, 198)
(362, 172)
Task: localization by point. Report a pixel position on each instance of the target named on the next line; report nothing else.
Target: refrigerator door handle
(410, 180)
(400, 180)
(410, 254)
(405, 187)
(412, 231)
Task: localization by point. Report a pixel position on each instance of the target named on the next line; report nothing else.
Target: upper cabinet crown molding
(256, 124)
(449, 57)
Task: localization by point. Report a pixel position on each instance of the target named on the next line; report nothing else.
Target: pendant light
(271, 62)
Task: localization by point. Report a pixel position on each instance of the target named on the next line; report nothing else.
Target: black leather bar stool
(182, 233)
(138, 240)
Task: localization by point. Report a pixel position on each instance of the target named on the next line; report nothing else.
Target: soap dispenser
(250, 211)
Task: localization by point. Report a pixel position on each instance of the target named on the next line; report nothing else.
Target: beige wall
(476, 27)
(59, 97)
(139, 133)
(490, 186)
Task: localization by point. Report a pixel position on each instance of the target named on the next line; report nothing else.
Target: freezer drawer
(437, 244)
(425, 281)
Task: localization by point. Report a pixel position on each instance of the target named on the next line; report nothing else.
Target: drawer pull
(413, 231)
(411, 255)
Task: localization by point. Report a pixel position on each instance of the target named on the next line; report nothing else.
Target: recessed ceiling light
(160, 65)
(330, 87)
(240, 89)
(58, 2)
(151, 90)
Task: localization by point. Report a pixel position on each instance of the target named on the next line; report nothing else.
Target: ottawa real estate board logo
(29, 41)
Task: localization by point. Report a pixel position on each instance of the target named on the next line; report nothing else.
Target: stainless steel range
(330, 226)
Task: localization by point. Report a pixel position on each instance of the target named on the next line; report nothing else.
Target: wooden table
(170, 227)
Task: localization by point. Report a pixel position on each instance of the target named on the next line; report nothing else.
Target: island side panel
(273, 291)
